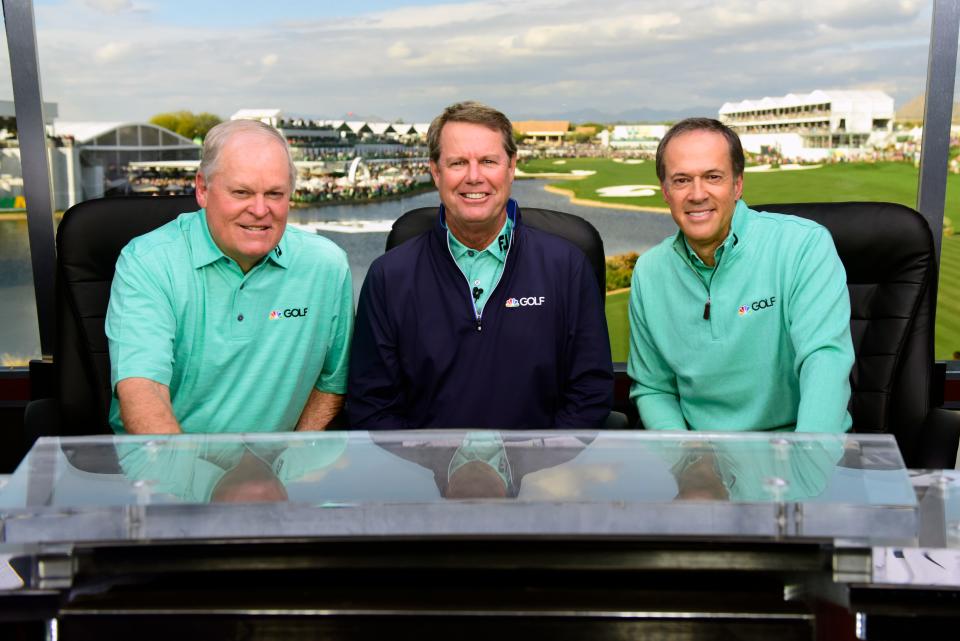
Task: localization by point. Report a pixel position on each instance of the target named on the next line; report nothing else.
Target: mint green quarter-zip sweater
(759, 342)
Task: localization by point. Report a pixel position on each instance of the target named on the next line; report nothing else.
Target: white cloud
(269, 60)
(112, 51)
(399, 50)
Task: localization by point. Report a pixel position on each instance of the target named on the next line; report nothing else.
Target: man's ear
(738, 186)
(201, 189)
(435, 172)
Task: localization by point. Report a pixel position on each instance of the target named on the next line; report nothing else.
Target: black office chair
(573, 228)
(89, 241)
(887, 251)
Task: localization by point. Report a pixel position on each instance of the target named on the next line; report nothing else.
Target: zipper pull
(706, 310)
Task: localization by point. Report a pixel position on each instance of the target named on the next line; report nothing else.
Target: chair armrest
(939, 439)
(41, 417)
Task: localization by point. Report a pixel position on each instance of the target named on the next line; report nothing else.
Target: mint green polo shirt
(482, 268)
(239, 352)
(776, 351)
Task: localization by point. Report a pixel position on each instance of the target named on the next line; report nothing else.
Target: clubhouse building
(813, 126)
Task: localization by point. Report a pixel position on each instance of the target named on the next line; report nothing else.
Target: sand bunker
(576, 174)
(787, 167)
(628, 191)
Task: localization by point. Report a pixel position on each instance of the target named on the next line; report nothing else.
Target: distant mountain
(640, 114)
(912, 111)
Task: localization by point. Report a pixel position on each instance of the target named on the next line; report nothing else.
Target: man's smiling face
(701, 188)
(473, 175)
(247, 198)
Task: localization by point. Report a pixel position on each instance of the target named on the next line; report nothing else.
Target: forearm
(820, 331)
(659, 411)
(588, 389)
(654, 387)
(145, 407)
(320, 409)
(824, 391)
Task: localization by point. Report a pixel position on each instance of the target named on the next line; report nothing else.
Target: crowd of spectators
(378, 180)
(582, 150)
(366, 151)
(904, 153)
(374, 179)
(161, 184)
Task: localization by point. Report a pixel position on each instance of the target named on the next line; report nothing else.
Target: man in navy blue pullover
(481, 322)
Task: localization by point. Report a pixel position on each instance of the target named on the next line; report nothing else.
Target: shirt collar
(500, 245)
(205, 250)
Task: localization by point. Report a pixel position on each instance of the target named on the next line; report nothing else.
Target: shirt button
(470, 253)
(240, 317)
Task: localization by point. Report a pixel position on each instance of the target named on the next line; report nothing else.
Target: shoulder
(657, 257)
(562, 255)
(403, 258)
(784, 226)
(165, 243)
(314, 248)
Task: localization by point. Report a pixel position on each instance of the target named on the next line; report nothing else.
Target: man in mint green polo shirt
(225, 319)
(741, 321)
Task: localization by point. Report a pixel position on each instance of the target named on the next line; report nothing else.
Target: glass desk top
(461, 483)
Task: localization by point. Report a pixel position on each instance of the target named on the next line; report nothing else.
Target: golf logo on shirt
(293, 312)
(757, 305)
(526, 301)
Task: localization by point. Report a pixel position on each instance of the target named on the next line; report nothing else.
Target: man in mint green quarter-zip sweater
(742, 320)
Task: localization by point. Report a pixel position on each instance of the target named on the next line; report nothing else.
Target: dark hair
(474, 113)
(702, 124)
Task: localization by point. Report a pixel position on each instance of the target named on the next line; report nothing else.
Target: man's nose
(473, 171)
(697, 191)
(259, 206)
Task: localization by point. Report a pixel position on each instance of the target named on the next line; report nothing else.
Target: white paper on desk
(9, 579)
(916, 566)
(924, 478)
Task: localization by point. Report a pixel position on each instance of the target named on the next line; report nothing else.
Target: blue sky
(129, 59)
(244, 13)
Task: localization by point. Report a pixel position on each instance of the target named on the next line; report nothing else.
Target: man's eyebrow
(702, 173)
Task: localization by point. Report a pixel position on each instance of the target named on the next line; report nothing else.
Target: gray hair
(737, 160)
(218, 136)
(474, 113)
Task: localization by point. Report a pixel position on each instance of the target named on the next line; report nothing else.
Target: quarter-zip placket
(707, 316)
(478, 314)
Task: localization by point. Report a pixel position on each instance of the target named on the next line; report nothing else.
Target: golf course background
(885, 181)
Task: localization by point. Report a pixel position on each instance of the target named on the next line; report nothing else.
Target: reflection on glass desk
(439, 483)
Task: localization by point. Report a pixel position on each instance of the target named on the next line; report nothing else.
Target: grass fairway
(947, 340)
(618, 325)
(890, 182)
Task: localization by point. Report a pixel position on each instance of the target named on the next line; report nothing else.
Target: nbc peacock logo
(743, 309)
(513, 302)
(276, 314)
